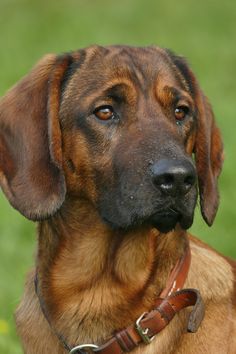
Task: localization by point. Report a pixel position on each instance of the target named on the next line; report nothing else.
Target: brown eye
(104, 113)
(181, 112)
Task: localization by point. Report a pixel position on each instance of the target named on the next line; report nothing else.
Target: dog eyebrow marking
(169, 95)
(122, 92)
(119, 90)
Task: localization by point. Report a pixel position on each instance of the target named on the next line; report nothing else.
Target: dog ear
(209, 158)
(31, 173)
(208, 147)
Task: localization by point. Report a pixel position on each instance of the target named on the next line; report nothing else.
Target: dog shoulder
(212, 273)
(31, 324)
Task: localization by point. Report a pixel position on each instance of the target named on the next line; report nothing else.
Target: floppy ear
(209, 158)
(208, 144)
(31, 173)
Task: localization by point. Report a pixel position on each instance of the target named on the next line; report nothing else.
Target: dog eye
(181, 112)
(104, 113)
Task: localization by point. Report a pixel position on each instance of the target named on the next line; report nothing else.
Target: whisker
(174, 211)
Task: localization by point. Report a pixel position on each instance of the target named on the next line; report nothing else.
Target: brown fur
(95, 279)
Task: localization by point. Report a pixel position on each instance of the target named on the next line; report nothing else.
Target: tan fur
(58, 166)
(91, 299)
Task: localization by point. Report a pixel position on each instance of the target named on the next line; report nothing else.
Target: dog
(108, 148)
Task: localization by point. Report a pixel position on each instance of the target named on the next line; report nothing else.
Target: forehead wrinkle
(138, 72)
(110, 85)
(134, 64)
(122, 68)
(94, 95)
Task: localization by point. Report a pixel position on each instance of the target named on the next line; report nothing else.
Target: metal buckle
(143, 332)
(83, 347)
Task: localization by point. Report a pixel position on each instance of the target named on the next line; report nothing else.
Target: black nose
(174, 177)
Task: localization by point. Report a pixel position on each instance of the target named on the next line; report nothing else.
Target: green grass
(204, 31)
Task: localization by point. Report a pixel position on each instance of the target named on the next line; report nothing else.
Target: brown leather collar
(170, 301)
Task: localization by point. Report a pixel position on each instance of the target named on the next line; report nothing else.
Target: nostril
(166, 179)
(165, 182)
(190, 180)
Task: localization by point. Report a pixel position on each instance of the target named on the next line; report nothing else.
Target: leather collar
(171, 300)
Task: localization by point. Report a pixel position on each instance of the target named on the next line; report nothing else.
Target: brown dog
(97, 146)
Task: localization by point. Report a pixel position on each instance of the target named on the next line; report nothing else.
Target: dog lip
(166, 220)
(170, 213)
(186, 222)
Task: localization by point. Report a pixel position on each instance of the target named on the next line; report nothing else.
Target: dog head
(126, 128)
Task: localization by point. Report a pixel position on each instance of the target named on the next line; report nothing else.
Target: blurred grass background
(204, 31)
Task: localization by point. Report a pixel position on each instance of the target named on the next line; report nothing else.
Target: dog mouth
(166, 221)
(164, 216)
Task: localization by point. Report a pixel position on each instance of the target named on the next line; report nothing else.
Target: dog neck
(86, 270)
